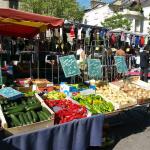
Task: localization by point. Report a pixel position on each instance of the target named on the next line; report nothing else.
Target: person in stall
(144, 64)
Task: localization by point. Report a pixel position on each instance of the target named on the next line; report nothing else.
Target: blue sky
(85, 3)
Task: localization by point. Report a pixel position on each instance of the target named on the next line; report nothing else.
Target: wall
(4, 4)
(146, 21)
(97, 15)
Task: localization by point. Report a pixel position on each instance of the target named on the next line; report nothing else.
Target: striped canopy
(24, 24)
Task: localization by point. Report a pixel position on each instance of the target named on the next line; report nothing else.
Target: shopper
(144, 64)
(121, 52)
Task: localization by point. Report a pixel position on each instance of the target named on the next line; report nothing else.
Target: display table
(75, 135)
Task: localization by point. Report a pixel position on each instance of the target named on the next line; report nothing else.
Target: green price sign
(94, 68)
(69, 65)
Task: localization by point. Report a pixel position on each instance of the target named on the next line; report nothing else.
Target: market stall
(24, 111)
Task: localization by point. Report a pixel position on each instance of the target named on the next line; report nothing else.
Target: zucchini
(15, 120)
(33, 107)
(21, 118)
(34, 116)
(14, 110)
(26, 119)
(29, 116)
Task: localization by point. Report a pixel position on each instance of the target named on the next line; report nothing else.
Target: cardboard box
(30, 127)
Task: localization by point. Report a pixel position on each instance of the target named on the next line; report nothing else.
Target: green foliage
(117, 21)
(67, 9)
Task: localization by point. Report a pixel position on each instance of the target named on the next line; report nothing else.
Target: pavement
(132, 132)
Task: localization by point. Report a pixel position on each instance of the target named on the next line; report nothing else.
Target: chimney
(94, 3)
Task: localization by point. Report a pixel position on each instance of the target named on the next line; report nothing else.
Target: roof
(24, 24)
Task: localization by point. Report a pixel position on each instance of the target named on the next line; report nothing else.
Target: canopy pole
(38, 63)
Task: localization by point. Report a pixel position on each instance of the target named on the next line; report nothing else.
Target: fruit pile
(54, 95)
(67, 111)
(95, 103)
(23, 111)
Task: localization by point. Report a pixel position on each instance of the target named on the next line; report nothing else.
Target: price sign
(94, 68)
(69, 65)
(121, 64)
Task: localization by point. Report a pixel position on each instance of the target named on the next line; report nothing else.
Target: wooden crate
(24, 89)
(41, 82)
(30, 127)
(118, 106)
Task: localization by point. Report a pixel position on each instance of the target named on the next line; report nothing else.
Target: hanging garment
(61, 32)
(69, 38)
(79, 33)
(146, 40)
(133, 39)
(142, 41)
(112, 40)
(128, 39)
(88, 32)
(101, 33)
(122, 36)
(137, 40)
(72, 34)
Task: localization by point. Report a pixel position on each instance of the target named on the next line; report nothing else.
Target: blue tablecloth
(75, 135)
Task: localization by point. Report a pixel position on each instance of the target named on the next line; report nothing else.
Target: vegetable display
(66, 110)
(23, 111)
(95, 103)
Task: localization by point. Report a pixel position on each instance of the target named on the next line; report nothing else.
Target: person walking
(144, 64)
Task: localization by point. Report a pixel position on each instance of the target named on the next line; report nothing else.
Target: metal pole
(38, 63)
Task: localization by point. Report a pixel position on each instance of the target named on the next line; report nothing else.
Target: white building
(4, 4)
(100, 11)
(146, 9)
(9, 4)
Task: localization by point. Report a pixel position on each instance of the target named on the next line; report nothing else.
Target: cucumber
(26, 119)
(5, 102)
(34, 116)
(24, 102)
(46, 111)
(15, 104)
(11, 104)
(29, 116)
(15, 120)
(14, 110)
(45, 115)
(21, 118)
(40, 116)
(33, 107)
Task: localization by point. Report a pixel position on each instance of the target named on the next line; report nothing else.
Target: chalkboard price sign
(121, 64)
(69, 65)
(94, 68)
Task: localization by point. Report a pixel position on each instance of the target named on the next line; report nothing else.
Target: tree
(117, 21)
(67, 9)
